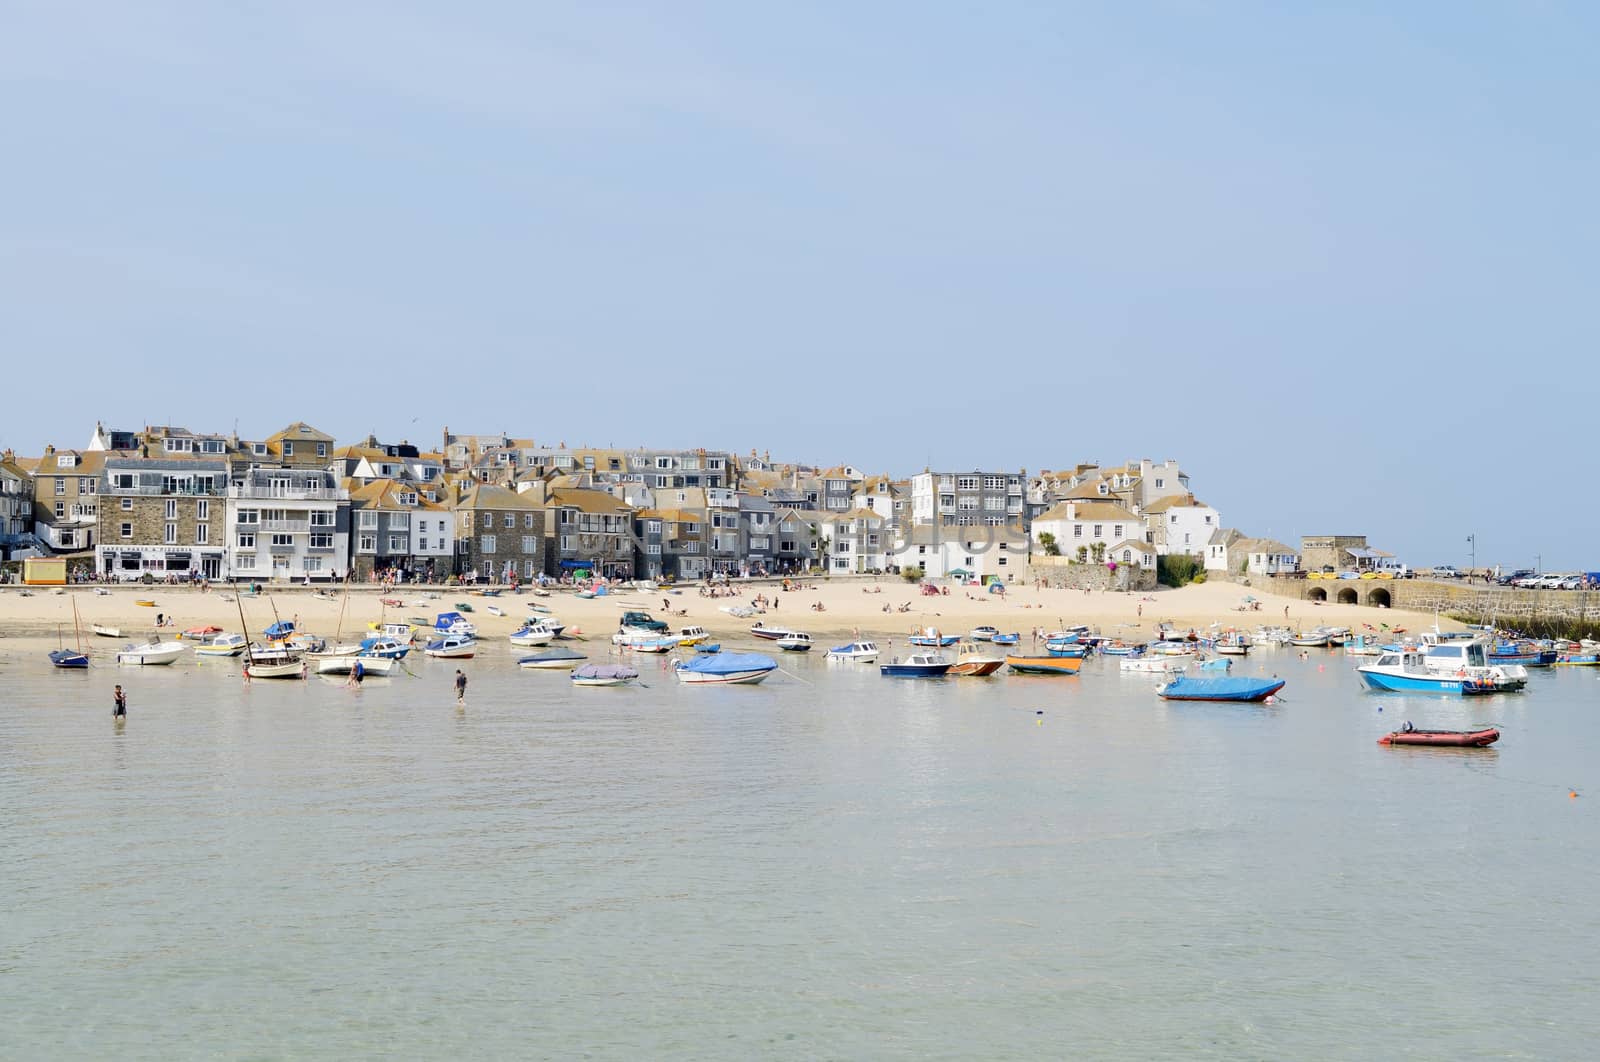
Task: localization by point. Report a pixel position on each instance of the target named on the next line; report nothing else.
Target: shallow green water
(826, 866)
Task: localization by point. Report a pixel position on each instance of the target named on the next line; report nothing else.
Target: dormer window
(408, 499)
(288, 448)
(65, 460)
(259, 449)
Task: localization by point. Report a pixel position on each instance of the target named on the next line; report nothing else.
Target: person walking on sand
(119, 704)
(461, 687)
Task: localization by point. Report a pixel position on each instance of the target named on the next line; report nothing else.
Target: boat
(1459, 739)
(975, 661)
(493, 610)
(402, 631)
(386, 646)
(1363, 645)
(344, 663)
(1409, 672)
(1157, 665)
(70, 659)
(856, 652)
(930, 638)
(982, 634)
(692, 636)
(1185, 688)
(553, 660)
(452, 647)
(1072, 649)
(222, 645)
(152, 653)
(603, 675)
(1524, 653)
(200, 634)
(1578, 660)
(105, 632)
(1045, 665)
(533, 634)
(1233, 643)
(708, 647)
(1219, 663)
(1315, 639)
(771, 634)
(1006, 639)
(144, 602)
(647, 643)
(1119, 648)
(453, 623)
(917, 665)
(795, 642)
(727, 668)
(1172, 648)
(286, 669)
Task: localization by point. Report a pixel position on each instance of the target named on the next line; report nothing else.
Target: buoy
(1380, 707)
(1573, 794)
(1321, 667)
(1270, 700)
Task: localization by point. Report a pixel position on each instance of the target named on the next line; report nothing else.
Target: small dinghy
(105, 632)
(603, 675)
(553, 660)
(1456, 739)
(1219, 689)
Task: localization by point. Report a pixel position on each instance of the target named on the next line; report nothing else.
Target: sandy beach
(31, 623)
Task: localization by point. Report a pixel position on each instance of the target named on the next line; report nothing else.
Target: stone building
(66, 499)
(499, 533)
(161, 516)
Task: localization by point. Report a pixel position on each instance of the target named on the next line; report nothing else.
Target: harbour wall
(1451, 598)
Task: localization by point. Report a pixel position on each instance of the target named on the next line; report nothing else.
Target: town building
(1178, 525)
(499, 533)
(589, 531)
(162, 515)
(66, 499)
(16, 508)
(1085, 530)
(398, 532)
(968, 499)
(288, 524)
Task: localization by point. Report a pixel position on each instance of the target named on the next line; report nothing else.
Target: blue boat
(1067, 649)
(932, 639)
(708, 647)
(279, 630)
(1455, 667)
(1219, 689)
(453, 623)
(1523, 653)
(1220, 663)
(1006, 639)
(69, 658)
(385, 646)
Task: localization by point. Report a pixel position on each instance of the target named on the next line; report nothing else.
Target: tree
(1048, 541)
(1099, 551)
(1083, 554)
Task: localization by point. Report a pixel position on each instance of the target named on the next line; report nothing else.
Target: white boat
(286, 669)
(795, 642)
(1159, 665)
(1233, 643)
(402, 631)
(1274, 636)
(452, 647)
(856, 652)
(603, 675)
(727, 668)
(553, 660)
(983, 634)
(1316, 639)
(917, 665)
(222, 645)
(688, 636)
(641, 642)
(106, 632)
(151, 653)
(493, 610)
(1172, 648)
(532, 635)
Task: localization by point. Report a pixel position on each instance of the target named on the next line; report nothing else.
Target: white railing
(285, 525)
(264, 492)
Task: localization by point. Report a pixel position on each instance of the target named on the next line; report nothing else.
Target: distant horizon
(1337, 261)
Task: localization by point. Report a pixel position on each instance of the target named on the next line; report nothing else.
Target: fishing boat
(1185, 688)
(70, 659)
(1172, 648)
(975, 661)
(1045, 665)
(402, 631)
(982, 634)
(855, 652)
(1524, 653)
(452, 647)
(647, 643)
(200, 634)
(1233, 643)
(1409, 672)
(795, 642)
(105, 632)
(533, 634)
(1157, 665)
(453, 623)
(727, 668)
(1578, 660)
(1314, 639)
(151, 653)
(1072, 649)
(1409, 735)
(222, 645)
(1363, 645)
(1006, 639)
(688, 636)
(384, 645)
(1119, 648)
(553, 660)
(930, 638)
(1219, 663)
(917, 665)
(771, 634)
(603, 675)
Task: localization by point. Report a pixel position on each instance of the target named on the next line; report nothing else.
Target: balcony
(278, 549)
(290, 526)
(266, 492)
(154, 490)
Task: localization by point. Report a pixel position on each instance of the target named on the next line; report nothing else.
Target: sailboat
(283, 664)
(337, 659)
(64, 657)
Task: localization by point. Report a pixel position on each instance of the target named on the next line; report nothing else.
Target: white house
(1268, 557)
(1222, 552)
(1133, 552)
(1082, 524)
(977, 551)
(858, 542)
(288, 523)
(1178, 525)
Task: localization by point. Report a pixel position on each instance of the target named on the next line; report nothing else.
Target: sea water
(829, 865)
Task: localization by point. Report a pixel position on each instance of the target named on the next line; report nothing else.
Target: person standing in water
(119, 704)
(461, 687)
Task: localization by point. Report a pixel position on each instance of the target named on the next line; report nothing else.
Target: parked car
(1511, 578)
(1446, 571)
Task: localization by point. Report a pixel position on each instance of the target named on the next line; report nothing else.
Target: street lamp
(1472, 543)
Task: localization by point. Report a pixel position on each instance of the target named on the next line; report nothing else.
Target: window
(247, 540)
(527, 521)
(127, 530)
(86, 486)
(259, 449)
(246, 563)
(367, 543)
(170, 534)
(122, 481)
(1127, 554)
(1117, 531)
(1001, 562)
(511, 521)
(1159, 484)
(311, 564)
(322, 449)
(1208, 519)
(321, 517)
(966, 483)
(172, 509)
(368, 520)
(322, 540)
(397, 543)
(1098, 529)
(487, 543)
(283, 540)
(994, 482)
(994, 504)
(61, 486)
(654, 551)
(202, 509)
(530, 543)
(249, 516)
(61, 510)
(202, 534)
(288, 448)
(488, 519)
(212, 446)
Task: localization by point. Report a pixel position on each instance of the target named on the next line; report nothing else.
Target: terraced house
(589, 532)
(16, 506)
(397, 531)
(288, 524)
(499, 533)
(968, 499)
(66, 499)
(162, 515)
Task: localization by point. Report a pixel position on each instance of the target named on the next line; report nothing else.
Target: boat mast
(249, 657)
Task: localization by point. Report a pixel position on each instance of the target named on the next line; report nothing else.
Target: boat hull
(153, 656)
(292, 669)
(1458, 739)
(977, 668)
(1236, 690)
(1045, 665)
(69, 659)
(914, 670)
(735, 678)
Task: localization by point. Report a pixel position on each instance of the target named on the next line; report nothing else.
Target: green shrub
(912, 574)
(1179, 571)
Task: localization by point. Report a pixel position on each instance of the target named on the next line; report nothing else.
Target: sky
(1338, 260)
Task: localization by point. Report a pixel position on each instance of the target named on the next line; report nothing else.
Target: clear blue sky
(1340, 262)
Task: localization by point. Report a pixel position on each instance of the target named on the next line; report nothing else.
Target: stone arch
(1316, 593)
(1379, 597)
(1348, 596)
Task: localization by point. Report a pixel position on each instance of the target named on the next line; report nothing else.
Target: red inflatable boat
(1449, 738)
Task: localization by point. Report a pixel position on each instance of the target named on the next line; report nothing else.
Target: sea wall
(1452, 598)
(1063, 572)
